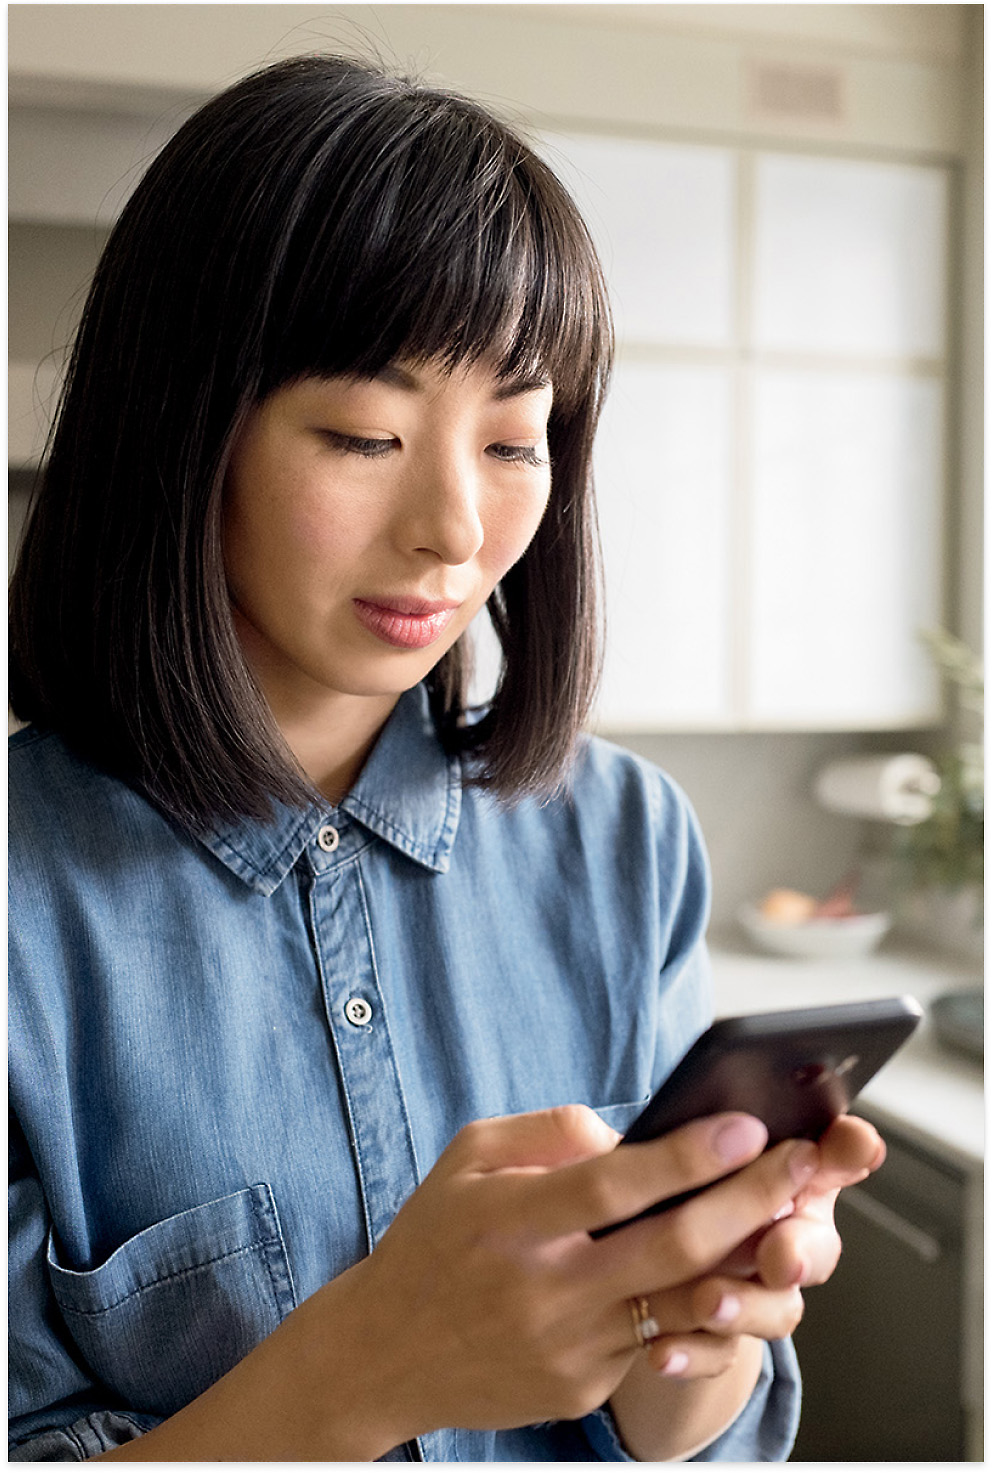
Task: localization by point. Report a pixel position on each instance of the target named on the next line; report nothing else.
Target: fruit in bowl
(787, 908)
(794, 924)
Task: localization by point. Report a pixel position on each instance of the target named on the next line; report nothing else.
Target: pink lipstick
(407, 624)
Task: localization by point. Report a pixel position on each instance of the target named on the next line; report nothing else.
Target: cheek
(266, 540)
(511, 530)
(308, 529)
(286, 533)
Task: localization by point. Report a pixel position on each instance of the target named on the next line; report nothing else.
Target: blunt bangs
(445, 239)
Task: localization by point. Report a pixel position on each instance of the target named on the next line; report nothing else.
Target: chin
(381, 685)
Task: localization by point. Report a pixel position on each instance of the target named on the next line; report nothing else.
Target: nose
(441, 511)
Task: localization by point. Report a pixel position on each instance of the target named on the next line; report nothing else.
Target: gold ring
(646, 1328)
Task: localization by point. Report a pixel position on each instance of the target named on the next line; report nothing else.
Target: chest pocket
(182, 1302)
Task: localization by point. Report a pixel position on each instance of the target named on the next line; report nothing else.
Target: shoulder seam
(26, 736)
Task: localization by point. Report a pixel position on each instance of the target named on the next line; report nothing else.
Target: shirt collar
(408, 793)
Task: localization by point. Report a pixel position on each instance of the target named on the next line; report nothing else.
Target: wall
(909, 79)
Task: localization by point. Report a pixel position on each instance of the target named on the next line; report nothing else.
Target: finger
(623, 1183)
(849, 1150)
(741, 1308)
(722, 1307)
(740, 1262)
(534, 1139)
(686, 1358)
(801, 1250)
(688, 1241)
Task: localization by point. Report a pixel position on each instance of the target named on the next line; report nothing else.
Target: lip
(405, 623)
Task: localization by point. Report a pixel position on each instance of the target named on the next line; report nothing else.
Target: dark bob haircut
(320, 217)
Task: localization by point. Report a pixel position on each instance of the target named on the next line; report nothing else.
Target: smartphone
(796, 1070)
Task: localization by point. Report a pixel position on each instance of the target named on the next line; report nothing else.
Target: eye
(522, 455)
(361, 445)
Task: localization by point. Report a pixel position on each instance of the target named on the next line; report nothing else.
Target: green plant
(947, 849)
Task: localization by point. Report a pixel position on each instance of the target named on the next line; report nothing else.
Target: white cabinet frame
(872, 364)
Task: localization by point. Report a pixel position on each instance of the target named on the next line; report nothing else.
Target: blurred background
(788, 202)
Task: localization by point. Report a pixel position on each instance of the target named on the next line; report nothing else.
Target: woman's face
(366, 522)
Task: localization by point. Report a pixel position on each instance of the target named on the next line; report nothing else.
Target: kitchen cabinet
(849, 257)
(845, 547)
(880, 1346)
(771, 462)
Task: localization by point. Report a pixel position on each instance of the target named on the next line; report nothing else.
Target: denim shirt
(234, 1056)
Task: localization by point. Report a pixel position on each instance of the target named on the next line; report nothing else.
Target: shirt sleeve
(58, 1413)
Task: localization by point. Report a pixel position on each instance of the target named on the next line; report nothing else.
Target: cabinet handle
(923, 1244)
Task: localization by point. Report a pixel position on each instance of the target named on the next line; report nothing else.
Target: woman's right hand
(487, 1304)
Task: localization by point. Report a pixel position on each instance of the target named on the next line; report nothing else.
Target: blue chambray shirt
(234, 1057)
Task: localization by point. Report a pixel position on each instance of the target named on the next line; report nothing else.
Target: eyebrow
(505, 389)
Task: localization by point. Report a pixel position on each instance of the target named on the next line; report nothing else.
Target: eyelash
(360, 445)
(519, 455)
(374, 449)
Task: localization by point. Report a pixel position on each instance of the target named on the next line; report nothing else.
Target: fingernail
(786, 1210)
(803, 1162)
(728, 1309)
(675, 1364)
(739, 1139)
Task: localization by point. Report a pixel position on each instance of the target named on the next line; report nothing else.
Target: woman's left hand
(804, 1247)
(799, 1249)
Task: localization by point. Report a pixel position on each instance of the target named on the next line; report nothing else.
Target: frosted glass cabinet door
(663, 475)
(849, 256)
(845, 552)
(662, 217)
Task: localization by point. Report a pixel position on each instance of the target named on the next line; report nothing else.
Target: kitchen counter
(931, 1093)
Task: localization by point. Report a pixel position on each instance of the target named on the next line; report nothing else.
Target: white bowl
(821, 936)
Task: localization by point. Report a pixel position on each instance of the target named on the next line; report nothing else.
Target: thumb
(550, 1138)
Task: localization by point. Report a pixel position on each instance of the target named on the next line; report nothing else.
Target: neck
(332, 739)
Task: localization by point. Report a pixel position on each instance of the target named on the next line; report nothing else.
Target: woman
(316, 973)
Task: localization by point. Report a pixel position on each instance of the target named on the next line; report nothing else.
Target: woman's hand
(756, 1290)
(679, 1394)
(489, 1305)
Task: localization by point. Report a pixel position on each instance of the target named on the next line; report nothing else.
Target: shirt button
(328, 838)
(357, 1011)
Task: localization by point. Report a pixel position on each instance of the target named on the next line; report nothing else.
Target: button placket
(373, 1092)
